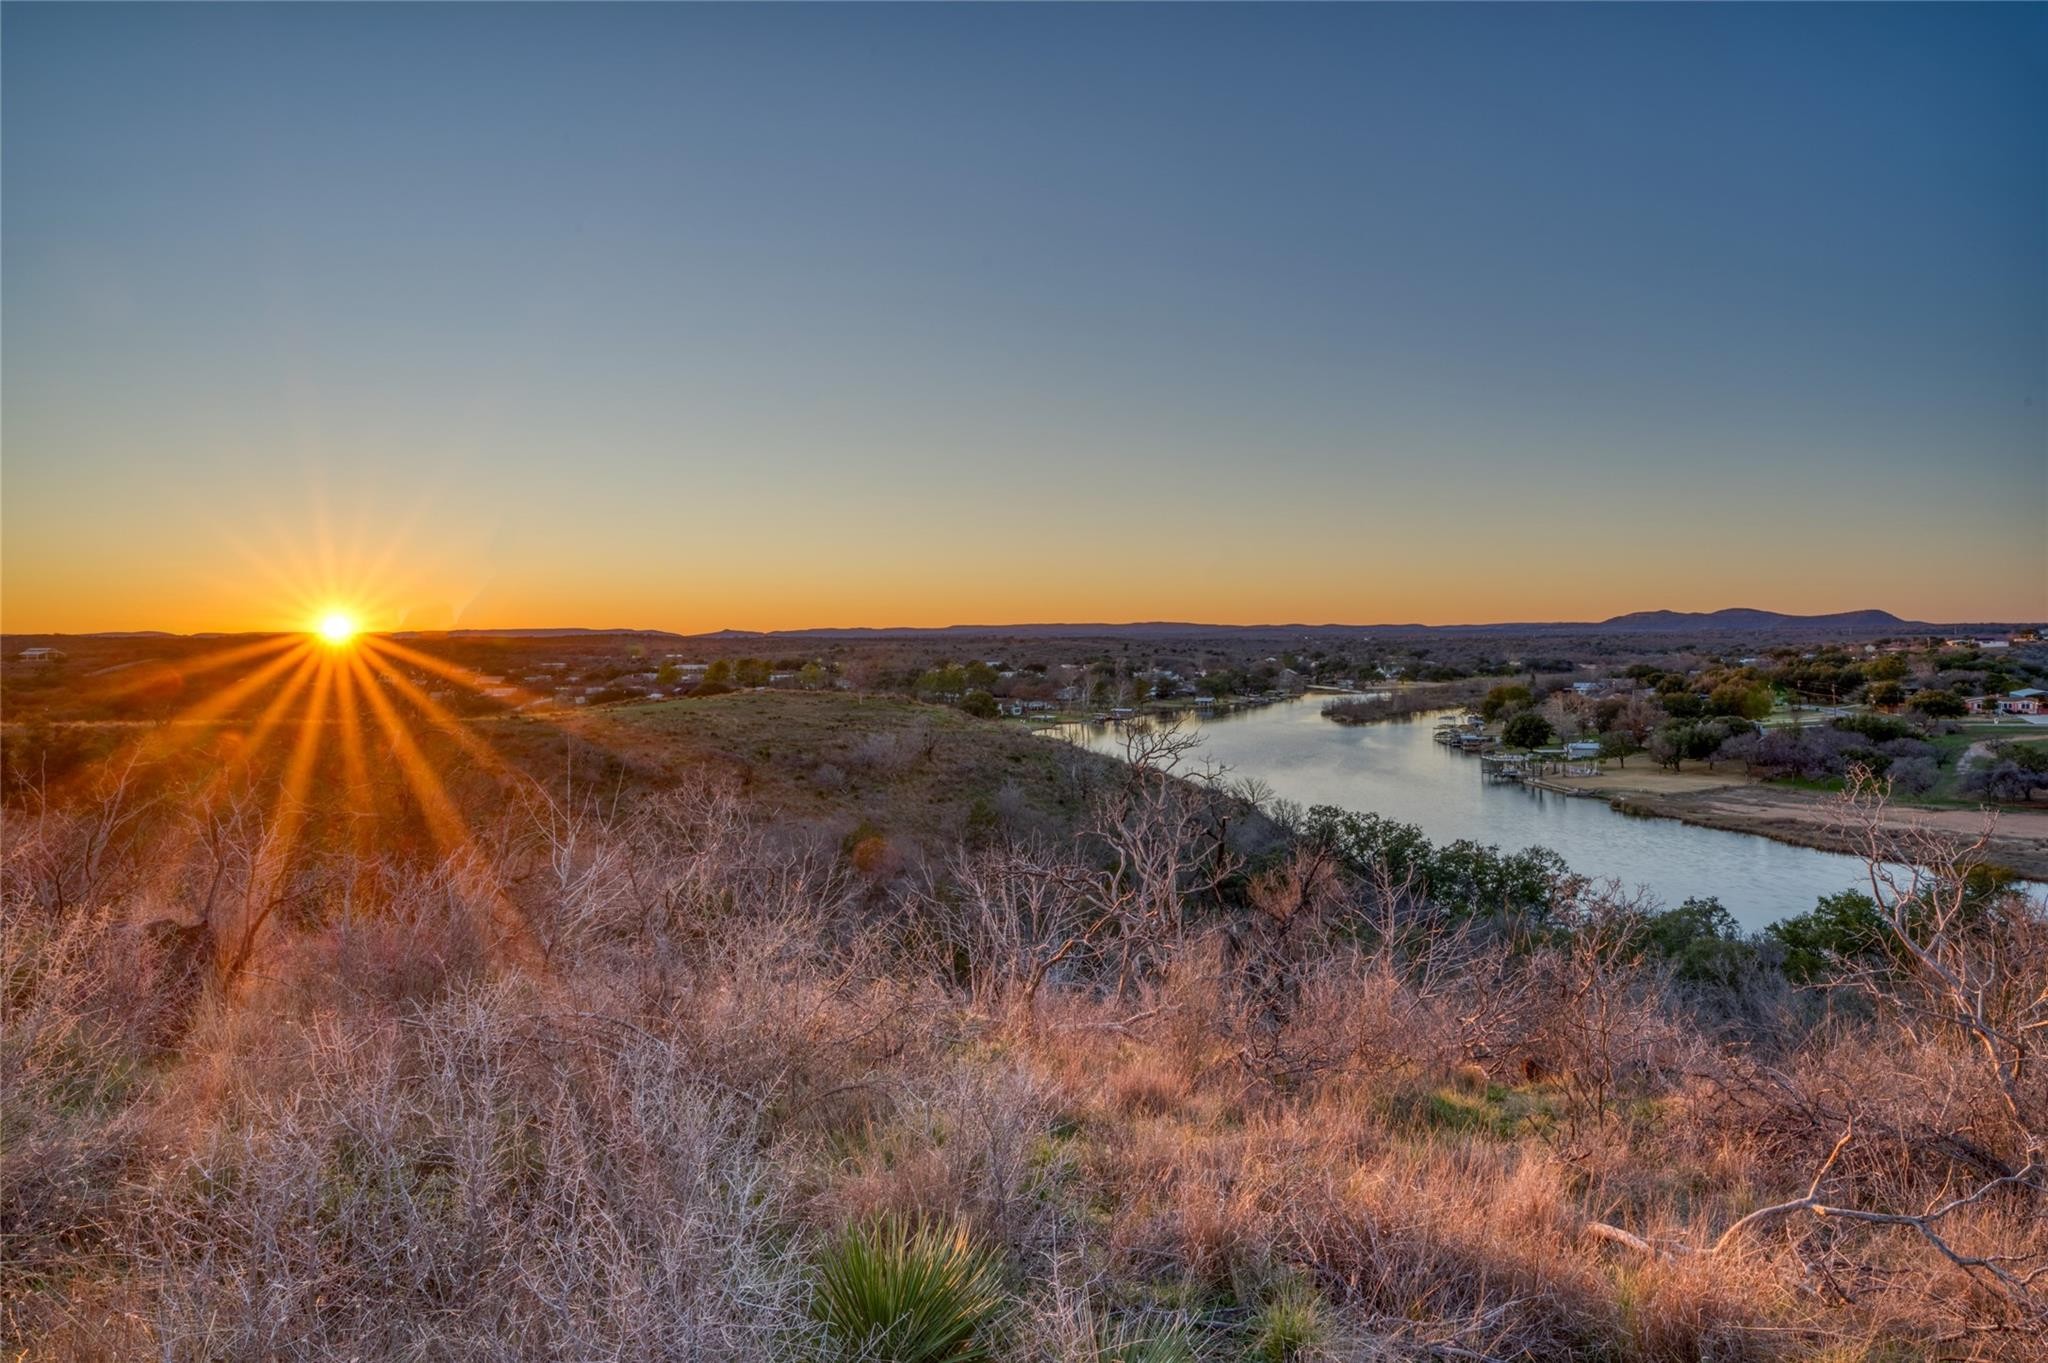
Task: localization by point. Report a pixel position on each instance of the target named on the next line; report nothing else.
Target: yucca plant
(892, 1292)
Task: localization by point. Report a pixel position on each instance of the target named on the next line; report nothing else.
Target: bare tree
(1968, 962)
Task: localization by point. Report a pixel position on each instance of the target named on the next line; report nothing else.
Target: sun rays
(336, 742)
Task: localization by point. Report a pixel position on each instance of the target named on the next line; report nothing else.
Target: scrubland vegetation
(644, 1069)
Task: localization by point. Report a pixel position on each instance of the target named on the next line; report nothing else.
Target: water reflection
(1393, 768)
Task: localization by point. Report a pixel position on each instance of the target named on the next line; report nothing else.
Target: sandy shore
(1728, 801)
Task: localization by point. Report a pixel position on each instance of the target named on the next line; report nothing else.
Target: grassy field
(626, 1073)
(1952, 747)
(917, 772)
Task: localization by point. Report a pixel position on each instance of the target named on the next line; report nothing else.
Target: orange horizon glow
(418, 564)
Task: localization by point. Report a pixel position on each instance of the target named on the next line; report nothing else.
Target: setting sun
(335, 627)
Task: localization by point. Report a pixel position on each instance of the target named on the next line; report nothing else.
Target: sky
(772, 317)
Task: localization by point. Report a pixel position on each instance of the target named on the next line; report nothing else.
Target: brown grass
(390, 1140)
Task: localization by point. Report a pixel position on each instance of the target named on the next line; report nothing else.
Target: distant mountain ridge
(1746, 618)
(1732, 620)
(1738, 619)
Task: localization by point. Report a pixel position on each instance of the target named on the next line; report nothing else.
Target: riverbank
(1735, 804)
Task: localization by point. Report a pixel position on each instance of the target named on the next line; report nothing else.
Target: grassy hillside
(632, 1073)
(920, 772)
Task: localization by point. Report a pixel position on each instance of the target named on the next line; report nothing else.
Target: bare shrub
(469, 1184)
(82, 1014)
(1964, 980)
(892, 753)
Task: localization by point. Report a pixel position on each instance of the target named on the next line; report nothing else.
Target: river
(1394, 768)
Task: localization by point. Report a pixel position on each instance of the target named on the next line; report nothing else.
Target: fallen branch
(1600, 1230)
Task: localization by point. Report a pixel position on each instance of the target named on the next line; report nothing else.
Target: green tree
(1939, 704)
(667, 675)
(1741, 700)
(1673, 744)
(980, 704)
(1502, 699)
(1619, 745)
(812, 677)
(1840, 927)
(1683, 704)
(1885, 693)
(1526, 730)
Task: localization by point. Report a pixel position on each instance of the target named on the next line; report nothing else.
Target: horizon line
(1695, 619)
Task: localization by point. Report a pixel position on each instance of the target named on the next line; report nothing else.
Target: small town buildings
(42, 655)
(2028, 700)
(1581, 748)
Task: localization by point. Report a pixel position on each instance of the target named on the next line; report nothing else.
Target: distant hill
(1752, 621)
(1731, 621)
(566, 631)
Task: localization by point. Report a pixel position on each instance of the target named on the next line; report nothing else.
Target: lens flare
(335, 628)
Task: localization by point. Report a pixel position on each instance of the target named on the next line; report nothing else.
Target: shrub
(1877, 728)
(1288, 1325)
(1839, 927)
(1913, 775)
(2014, 773)
(1462, 876)
(892, 1292)
(1701, 940)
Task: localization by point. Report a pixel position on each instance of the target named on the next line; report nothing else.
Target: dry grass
(392, 1140)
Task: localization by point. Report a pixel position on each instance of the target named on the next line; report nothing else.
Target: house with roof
(2028, 700)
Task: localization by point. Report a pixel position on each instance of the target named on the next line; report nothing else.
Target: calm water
(1394, 768)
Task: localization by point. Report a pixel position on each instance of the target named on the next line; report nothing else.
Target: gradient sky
(786, 316)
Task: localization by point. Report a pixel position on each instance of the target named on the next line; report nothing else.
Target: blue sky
(772, 316)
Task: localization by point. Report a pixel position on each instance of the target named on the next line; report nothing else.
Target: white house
(42, 655)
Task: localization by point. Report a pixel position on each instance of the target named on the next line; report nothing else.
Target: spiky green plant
(1289, 1324)
(892, 1292)
(1132, 1343)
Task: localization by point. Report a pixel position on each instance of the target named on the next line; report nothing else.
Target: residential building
(2028, 700)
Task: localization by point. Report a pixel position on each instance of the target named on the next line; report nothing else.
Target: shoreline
(1800, 818)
